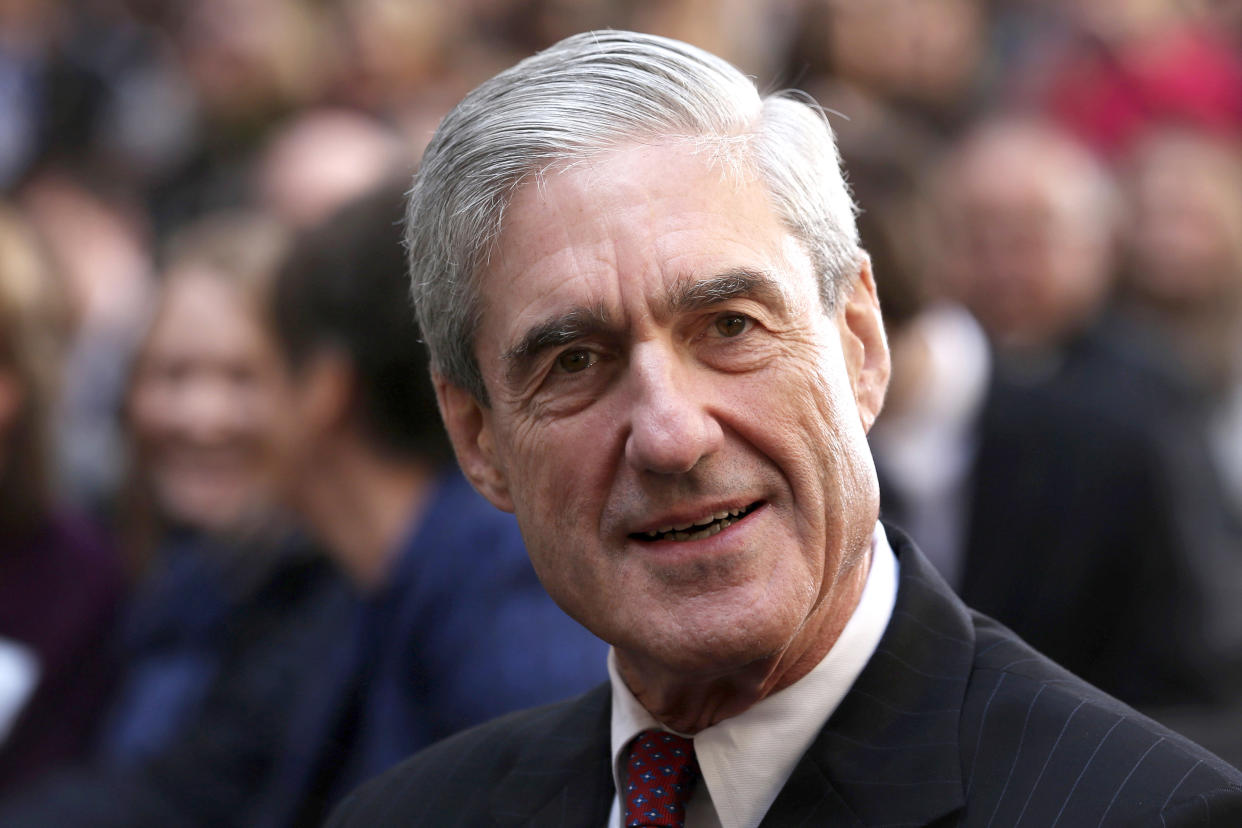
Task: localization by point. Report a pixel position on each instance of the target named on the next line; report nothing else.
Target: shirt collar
(746, 759)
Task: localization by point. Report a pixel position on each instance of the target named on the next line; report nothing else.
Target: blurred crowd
(219, 499)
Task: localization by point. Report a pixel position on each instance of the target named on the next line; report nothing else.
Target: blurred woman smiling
(208, 384)
(202, 412)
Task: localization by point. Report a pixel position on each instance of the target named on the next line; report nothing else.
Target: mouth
(709, 525)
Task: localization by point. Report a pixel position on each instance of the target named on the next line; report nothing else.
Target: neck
(360, 504)
(688, 704)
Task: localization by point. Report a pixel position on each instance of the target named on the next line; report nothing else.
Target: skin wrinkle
(675, 416)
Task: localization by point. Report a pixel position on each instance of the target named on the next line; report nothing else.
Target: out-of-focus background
(123, 121)
(1051, 193)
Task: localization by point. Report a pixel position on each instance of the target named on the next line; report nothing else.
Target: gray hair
(589, 93)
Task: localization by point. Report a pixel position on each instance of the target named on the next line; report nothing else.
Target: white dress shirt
(745, 760)
(927, 447)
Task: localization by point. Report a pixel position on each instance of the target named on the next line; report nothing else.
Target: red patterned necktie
(660, 775)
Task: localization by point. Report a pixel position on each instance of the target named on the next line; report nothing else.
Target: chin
(730, 643)
(207, 512)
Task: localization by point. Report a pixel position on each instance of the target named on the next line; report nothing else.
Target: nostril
(667, 452)
(671, 428)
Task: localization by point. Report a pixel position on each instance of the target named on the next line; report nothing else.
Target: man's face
(1020, 249)
(675, 419)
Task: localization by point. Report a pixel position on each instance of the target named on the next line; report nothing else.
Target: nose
(671, 426)
(208, 412)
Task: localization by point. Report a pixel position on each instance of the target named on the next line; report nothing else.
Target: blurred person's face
(395, 46)
(321, 161)
(100, 248)
(205, 402)
(28, 26)
(1020, 248)
(1118, 21)
(246, 57)
(1184, 237)
(923, 49)
(675, 419)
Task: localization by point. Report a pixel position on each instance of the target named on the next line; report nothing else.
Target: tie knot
(660, 775)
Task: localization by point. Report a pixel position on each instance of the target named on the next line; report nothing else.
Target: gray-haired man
(657, 341)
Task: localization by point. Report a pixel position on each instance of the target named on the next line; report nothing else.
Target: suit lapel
(563, 776)
(809, 798)
(890, 753)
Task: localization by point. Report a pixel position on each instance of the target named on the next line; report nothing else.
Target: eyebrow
(686, 295)
(576, 323)
(737, 283)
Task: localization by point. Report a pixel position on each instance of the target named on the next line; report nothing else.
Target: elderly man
(658, 343)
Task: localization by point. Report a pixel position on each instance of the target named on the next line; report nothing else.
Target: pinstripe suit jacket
(954, 721)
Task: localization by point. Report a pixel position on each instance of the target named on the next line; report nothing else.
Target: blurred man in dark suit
(1065, 487)
(656, 340)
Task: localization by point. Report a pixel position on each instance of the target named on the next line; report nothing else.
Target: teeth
(714, 529)
(717, 522)
(682, 527)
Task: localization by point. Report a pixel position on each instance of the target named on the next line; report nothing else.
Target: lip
(684, 519)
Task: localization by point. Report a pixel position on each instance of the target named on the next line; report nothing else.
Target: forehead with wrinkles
(665, 228)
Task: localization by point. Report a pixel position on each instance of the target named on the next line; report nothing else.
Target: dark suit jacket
(954, 721)
(462, 632)
(1097, 529)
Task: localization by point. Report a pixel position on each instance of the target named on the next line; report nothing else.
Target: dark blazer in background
(954, 721)
(331, 690)
(1098, 531)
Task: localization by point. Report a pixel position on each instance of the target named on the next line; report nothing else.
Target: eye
(571, 362)
(731, 324)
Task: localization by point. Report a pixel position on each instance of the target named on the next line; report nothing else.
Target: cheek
(561, 477)
(822, 448)
(265, 421)
(849, 480)
(817, 404)
(150, 408)
(557, 473)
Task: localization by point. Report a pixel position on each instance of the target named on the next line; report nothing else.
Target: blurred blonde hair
(33, 327)
(242, 248)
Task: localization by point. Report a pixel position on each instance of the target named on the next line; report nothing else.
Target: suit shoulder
(1040, 746)
(449, 776)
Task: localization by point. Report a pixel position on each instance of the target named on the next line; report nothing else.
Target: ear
(469, 426)
(864, 344)
(325, 392)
